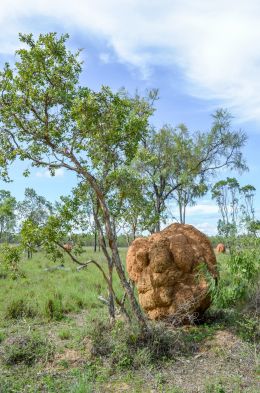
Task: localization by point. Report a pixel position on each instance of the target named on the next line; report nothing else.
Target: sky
(201, 55)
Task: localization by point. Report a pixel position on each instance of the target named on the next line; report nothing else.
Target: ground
(48, 345)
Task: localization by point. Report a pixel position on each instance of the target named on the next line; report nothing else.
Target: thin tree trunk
(116, 257)
(113, 244)
(111, 305)
(95, 239)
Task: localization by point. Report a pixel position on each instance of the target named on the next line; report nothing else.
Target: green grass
(52, 294)
(55, 336)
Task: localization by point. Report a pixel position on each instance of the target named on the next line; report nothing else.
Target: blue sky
(201, 55)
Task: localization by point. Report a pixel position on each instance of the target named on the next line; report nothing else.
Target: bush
(18, 308)
(64, 334)
(248, 328)
(54, 308)
(239, 274)
(10, 257)
(26, 349)
(128, 347)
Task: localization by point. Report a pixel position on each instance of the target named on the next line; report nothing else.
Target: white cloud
(215, 44)
(205, 207)
(202, 208)
(207, 228)
(46, 174)
(105, 57)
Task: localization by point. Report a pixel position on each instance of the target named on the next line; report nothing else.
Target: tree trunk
(111, 305)
(113, 245)
(115, 253)
(95, 240)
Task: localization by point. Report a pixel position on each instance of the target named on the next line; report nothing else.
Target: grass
(55, 337)
(52, 294)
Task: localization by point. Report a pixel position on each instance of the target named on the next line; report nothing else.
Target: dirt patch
(224, 361)
(70, 358)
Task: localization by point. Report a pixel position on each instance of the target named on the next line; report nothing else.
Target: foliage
(53, 308)
(128, 347)
(26, 349)
(154, 363)
(239, 274)
(33, 208)
(10, 257)
(236, 206)
(51, 121)
(176, 164)
(7, 212)
(19, 308)
(226, 193)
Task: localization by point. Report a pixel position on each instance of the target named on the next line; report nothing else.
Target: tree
(173, 161)
(226, 193)
(236, 205)
(51, 121)
(32, 211)
(7, 213)
(187, 195)
(248, 193)
(34, 207)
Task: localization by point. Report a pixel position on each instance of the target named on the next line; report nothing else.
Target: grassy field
(54, 337)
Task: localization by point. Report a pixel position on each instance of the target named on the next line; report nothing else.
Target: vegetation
(55, 337)
(54, 332)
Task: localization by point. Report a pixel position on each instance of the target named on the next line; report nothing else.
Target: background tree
(7, 214)
(51, 121)
(248, 194)
(173, 161)
(33, 212)
(226, 194)
(34, 207)
(187, 195)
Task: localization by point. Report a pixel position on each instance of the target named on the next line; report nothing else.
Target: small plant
(128, 347)
(64, 334)
(10, 257)
(26, 349)
(2, 337)
(249, 328)
(18, 308)
(215, 388)
(54, 308)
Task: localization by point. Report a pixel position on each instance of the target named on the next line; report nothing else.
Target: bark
(102, 243)
(95, 240)
(115, 252)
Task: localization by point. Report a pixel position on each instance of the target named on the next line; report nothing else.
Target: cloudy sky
(202, 55)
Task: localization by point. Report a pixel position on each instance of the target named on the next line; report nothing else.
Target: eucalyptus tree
(226, 193)
(248, 194)
(51, 121)
(7, 213)
(187, 194)
(174, 161)
(34, 207)
(32, 212)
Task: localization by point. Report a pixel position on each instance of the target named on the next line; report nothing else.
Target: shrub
(238, 278)
(18, 308)
(10, 257)
(248, 328)
(54, 308)
(128, 347)
(64, 334)
(2, 337)
(26, 349)
(215, 388)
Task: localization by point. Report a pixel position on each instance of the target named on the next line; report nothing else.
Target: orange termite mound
(169, 269)
(68, 247)
(221, 248)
